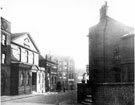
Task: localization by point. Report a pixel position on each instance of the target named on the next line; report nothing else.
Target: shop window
(3, 58)
(22, 79)
(3, 39)
(28, 79)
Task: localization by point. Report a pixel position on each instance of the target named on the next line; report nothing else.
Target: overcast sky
(61, 26)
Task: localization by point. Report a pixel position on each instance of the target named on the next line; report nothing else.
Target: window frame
(3, 60)
(3, 41)
(22, 79)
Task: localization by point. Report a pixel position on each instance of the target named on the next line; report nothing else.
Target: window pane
(16, 51)
(36, 59)
(24, 55)
(3, 39)
(3, 58)
(30, 60)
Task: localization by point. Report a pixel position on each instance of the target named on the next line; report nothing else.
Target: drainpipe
(104, 47)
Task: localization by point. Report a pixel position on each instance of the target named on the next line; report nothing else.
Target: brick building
(5, 56)
(107, 57)
(111, 63)
(127, 57)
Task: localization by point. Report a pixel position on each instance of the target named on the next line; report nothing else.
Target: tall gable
(25, 40)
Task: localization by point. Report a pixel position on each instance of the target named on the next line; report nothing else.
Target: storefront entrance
(34, 81)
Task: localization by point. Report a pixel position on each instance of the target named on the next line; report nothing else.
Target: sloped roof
(128, 34)
(41, 57)
(112, 26)
(17, 35)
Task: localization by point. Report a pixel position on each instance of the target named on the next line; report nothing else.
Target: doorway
(34, 82)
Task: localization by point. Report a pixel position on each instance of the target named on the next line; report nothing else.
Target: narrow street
(56, 98)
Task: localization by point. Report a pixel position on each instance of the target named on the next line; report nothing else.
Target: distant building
(110, 53)
(51, 67)
(66, 72)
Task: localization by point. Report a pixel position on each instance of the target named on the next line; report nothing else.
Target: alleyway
(54, 98)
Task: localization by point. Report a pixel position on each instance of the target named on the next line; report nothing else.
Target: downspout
(104, 48)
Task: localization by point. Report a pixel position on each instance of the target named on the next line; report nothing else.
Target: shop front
(21, 79)
(26, 79)
(41, 80)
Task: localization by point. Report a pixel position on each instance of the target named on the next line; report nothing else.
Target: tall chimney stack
(103, 11)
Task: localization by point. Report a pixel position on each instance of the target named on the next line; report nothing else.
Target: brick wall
(114, 94)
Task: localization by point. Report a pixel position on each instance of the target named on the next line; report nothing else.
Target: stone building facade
(20, 71)
(25, 71)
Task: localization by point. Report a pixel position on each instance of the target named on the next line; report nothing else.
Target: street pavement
(51, 98)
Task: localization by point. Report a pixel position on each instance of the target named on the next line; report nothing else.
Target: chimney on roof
(103, 10)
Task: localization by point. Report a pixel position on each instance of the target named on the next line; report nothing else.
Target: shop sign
(70, 79)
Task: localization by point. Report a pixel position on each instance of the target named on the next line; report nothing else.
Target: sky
(60, 27)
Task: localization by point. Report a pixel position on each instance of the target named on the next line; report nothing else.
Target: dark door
(34, 76)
